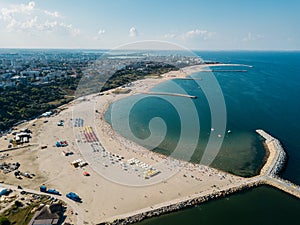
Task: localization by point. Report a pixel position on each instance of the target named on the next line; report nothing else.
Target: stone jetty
(269, 175)
(169, 94)
(274, 164)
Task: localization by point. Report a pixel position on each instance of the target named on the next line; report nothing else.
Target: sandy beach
(116, 185)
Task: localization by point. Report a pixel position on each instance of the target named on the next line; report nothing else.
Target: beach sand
(105, 197)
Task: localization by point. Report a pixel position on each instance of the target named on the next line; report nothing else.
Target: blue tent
(3, 191)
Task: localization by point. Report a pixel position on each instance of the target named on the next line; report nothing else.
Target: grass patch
(22, 215)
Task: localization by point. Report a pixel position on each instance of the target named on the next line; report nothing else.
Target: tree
(18, 204)
(4, 221)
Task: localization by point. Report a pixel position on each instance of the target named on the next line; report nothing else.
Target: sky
(193, 24)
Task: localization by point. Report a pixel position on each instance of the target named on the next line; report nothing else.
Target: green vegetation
(20, 214)
(136, 71)
(97, 82)
(4, 221)
(24, 102)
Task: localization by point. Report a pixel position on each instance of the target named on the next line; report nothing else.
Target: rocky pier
(269, 175)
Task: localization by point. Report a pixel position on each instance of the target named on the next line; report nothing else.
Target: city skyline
(199, 25)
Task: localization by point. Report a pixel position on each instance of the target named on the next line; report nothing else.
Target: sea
(262, 93)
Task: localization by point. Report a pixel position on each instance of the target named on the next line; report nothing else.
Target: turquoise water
(241, 152)
(267, 97)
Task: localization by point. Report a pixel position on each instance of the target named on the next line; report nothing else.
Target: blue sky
(195, 24)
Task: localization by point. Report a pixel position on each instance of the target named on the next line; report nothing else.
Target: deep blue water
(267, 97)
(263, 205)
(263, 97)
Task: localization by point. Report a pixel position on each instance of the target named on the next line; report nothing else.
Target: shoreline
(179, 204)
(269, 176)
(172, 75)
(138, 216)
(129, 144)
(194, 183)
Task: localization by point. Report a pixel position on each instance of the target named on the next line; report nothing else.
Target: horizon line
(112, 49)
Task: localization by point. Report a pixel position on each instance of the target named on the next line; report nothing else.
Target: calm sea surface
(267, 96)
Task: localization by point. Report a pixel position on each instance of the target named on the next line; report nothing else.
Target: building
(30, 74)
(47, 215)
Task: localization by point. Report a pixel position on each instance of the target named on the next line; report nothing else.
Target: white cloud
(197, 33)
(133, 32)
(68, 28)
(50, 24)
(8, 13)
(31, 20)
(53, 14)
(170, 36)
(29, 23)
(252, 37)
(204, 34)
(101, 32)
